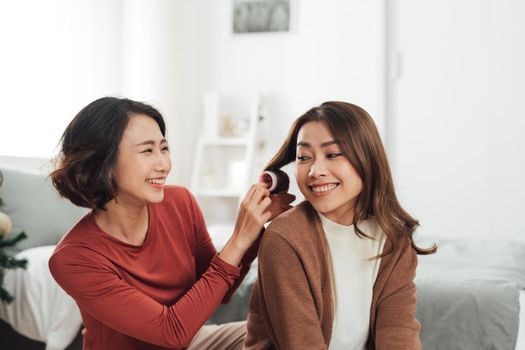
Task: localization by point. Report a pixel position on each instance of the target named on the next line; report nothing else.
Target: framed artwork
(261, 16)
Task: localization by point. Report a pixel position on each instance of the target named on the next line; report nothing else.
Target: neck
(345, 218)
(126, 223)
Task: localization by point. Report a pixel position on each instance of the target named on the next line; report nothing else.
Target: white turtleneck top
(354, 276)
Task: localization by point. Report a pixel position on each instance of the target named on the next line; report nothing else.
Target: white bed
(41, 311)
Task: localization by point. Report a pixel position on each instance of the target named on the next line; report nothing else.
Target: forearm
(236, 251)
(246, 263)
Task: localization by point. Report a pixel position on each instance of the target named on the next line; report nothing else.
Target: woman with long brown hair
(337, 270)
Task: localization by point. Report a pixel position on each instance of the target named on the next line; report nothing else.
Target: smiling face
(143, 162)
(324, 174)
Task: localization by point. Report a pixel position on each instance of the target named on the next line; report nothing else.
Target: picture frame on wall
(261, 16)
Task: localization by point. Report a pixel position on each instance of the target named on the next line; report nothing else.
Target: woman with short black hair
(141, 265)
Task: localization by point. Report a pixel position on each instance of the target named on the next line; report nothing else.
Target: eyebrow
(150, 142)
(324, 144)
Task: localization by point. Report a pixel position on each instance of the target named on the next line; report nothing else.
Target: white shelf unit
(224, 164)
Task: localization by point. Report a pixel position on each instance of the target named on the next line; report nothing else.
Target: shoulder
(71, 253)
(82, 233)
(403, 246)
(73, 259)
(294, 221)
(84, 243)
(297, 229)
(82, 271)
(402, 258)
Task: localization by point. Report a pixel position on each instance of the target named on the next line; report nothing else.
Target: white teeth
(155, 181)
(324, 188)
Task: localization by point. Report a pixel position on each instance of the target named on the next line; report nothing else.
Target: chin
(156, 198)
(320, 208)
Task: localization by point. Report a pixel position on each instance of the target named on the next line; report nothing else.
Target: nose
(318, 168)
(163, 163)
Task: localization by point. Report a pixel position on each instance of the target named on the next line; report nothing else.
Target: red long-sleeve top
(153, 296)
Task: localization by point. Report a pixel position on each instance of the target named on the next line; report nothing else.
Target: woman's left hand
(280, 203)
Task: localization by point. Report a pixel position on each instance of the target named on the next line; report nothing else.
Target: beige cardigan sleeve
(282, 311)
(396, 326)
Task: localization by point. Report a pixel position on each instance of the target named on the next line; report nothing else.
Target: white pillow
(35, 207)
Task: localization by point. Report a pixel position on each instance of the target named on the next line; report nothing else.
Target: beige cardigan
(292, 305)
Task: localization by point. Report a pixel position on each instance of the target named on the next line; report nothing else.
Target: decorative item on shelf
(228, 127)
(232, 127)
(7, 261)
(207, 177)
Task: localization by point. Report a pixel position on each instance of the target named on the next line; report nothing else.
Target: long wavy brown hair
(360, 142)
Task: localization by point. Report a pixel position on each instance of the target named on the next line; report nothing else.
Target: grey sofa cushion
(34, 206)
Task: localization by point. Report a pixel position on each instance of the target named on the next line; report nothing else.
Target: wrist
(240, 242)
(233, 251)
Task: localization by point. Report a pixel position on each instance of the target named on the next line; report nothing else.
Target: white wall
(335, 52)
(65, 54)
(55, 57)
(507, 117)
(455, 114)
(150, 63)
(454, 120)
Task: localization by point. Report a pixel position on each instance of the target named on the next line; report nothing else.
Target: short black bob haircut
(89, 150)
